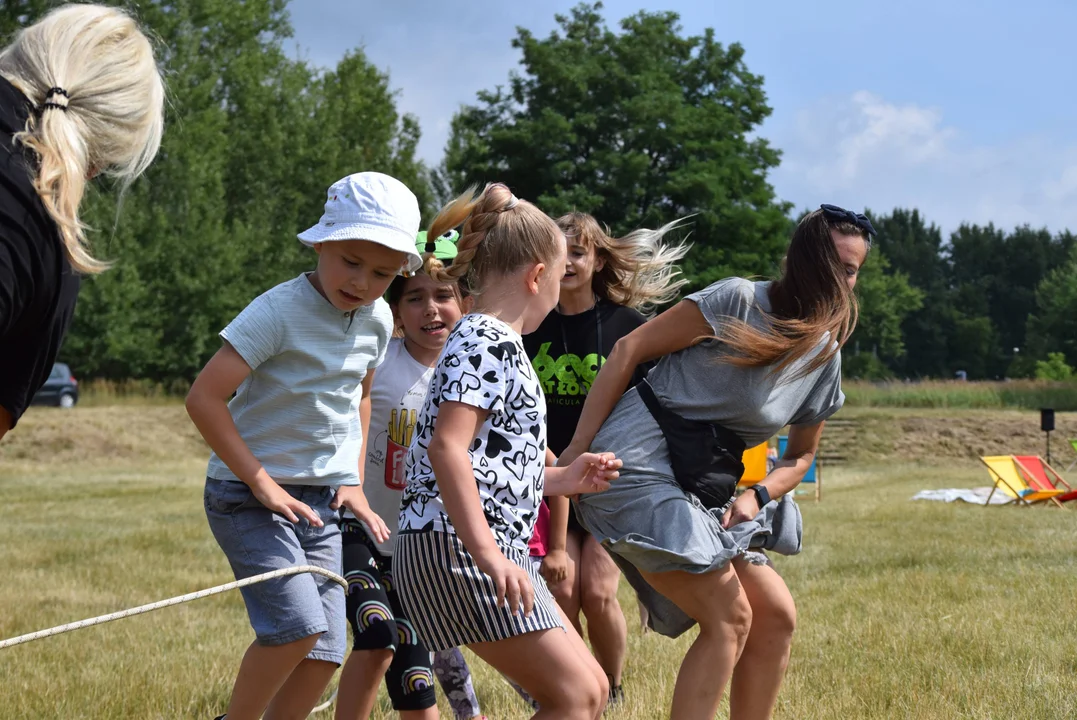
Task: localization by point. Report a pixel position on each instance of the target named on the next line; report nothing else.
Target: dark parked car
(60, 389)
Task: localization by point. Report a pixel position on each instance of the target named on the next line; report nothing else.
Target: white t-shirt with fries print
(396, 398)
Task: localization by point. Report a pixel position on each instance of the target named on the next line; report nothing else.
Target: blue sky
(966, 110)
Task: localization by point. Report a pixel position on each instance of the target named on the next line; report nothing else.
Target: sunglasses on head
(833, 212)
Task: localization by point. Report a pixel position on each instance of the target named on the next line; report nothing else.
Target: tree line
(636, 123)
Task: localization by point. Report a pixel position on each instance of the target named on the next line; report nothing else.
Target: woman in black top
(607, 283)
(80, 94)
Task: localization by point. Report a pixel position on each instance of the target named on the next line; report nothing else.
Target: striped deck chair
(1039, 475)
(1008, 480)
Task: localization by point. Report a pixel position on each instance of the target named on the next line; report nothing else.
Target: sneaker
(617, 695)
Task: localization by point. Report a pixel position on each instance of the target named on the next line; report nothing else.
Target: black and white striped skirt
(451, 602)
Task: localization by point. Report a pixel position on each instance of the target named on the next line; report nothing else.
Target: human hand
(514, 589)
(744, 508)
(554, 568)
(353, 498)
(593, 472)
(277, 499)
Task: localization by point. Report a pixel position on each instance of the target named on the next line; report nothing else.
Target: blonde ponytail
(450, 217)
(109, 118)
(501, 234)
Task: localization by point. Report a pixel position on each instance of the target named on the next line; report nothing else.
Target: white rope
(254, 579)
(60, 629)
(325, 705)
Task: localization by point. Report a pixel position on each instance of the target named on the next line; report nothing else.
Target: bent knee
(734, 618)
(596, 695)
(584, 695)
(778, 619)
(741, 617)
(378, 633)
(598, 598)
(565, 594)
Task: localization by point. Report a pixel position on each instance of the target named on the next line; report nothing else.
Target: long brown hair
(501, 234)
(639, 270)
(810, 301)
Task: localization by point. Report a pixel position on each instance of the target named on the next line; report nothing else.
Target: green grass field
(907, 610)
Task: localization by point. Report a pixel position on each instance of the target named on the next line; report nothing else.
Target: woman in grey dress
(749, 358)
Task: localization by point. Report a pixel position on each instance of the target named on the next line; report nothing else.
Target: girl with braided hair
(385, 645)
(476, 467)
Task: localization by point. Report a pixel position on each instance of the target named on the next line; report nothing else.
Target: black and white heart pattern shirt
(484, 365)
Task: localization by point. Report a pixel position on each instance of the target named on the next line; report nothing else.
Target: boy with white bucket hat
(300, 362)
(373, 207)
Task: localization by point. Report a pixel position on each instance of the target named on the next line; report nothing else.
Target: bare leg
(717, 602)
(555, 668)
(761, 667)
(359, 681)
(302, 691)
(567, 592)
(263, 672)
(606, 627)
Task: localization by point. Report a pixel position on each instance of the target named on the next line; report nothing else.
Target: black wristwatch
(761, 495)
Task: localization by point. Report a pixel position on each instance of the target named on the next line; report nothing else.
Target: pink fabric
(537, 544)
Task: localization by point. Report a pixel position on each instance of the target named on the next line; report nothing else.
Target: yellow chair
(1008, 480)
(755, 465)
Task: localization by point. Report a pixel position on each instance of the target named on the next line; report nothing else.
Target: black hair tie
(55, 105)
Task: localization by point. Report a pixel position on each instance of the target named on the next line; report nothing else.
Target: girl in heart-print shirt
(484, 365)
(476, 467)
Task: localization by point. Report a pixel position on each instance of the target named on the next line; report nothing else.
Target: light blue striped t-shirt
(298, 410)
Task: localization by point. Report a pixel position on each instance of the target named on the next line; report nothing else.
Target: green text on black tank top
(567, 352)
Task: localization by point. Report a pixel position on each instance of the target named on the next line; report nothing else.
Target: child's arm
(207, 404)
(589, 473)
(352, 496)
(554, 566)
(456, 427)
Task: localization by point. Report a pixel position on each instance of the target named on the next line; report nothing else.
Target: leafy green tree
(913, 248)
(1054, 368)
(638, 127)
(886, 299)
(996, 275)
(1053, 328)
(253, 138)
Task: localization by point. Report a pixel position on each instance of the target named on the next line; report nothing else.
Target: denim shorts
(257, 540)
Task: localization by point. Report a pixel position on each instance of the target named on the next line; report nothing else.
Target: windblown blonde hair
(501, 234)
(639, 271)
(114, 114)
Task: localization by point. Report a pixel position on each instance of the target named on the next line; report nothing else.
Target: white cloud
(863, 151)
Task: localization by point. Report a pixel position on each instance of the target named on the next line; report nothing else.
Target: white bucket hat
(370, 206)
